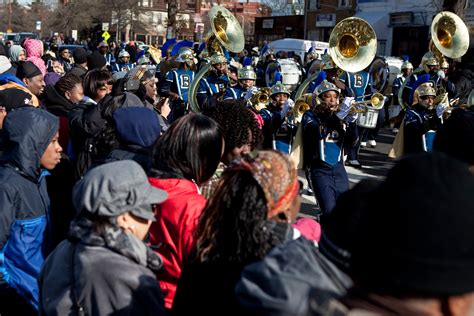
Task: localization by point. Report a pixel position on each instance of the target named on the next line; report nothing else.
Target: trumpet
(260, 99)
(376, 101)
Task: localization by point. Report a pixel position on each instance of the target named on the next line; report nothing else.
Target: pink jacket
(34, 51)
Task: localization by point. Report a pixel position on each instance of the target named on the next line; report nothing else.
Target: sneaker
(372, 143)
(363, 144)
(309, 191)
(354, 163)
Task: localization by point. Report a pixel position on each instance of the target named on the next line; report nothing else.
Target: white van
(298, 46)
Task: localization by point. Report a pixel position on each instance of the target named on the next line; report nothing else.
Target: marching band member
(177, 83)
(216, 82)
(324, 130)
(407, 69)
(122, 63)
(277, 131)
(423, 119)
(247, 77)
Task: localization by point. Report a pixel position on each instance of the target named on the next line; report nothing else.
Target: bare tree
(75, 15)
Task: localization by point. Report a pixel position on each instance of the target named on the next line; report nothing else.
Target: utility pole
(9, 16)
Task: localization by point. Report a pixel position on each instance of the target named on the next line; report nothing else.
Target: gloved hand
(345, 108)
(440, 109)
(286, 107)
(249, 94)
(441, 74)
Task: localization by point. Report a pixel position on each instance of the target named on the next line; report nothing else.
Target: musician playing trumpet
(423, 119)
(246, 86)
(324, 130)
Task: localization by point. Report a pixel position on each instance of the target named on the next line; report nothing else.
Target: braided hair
(232, 225)
(67, 83)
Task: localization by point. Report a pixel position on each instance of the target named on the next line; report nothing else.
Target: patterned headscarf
(34, 51)
(276, 175)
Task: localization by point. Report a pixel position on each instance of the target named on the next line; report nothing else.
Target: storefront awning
(379, 22)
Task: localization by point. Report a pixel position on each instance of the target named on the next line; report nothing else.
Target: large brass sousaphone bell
(228, 33)
(353, 44)
(449, 34)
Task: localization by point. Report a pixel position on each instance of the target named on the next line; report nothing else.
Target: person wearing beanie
(80, 62)
(32, 148)
(456, 136)
(31, 76)
(7, 80)
(95, 61)
(415, 256)
(104, 267)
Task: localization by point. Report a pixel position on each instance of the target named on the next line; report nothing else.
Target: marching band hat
(218, 58)
(407, 65)
(123, 53)
(279, 88)
(326, 86)
(426, 89)
(185, 54)
(247, 73)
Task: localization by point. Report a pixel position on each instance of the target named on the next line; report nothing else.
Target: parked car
(9, 37)
(19, 37)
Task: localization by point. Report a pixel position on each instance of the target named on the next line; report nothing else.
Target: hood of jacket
(56, 103)
(8, 77)
(28, 132)
(137, 126)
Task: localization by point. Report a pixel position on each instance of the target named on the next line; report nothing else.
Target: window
(344, 3)
(145, 3)
(313, 5)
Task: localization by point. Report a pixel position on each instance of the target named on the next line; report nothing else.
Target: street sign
(38, 25)
(74, 35)
(105, 27)
(106, 36)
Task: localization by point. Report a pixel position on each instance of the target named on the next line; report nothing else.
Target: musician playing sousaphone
(216, 82)
(324, 130)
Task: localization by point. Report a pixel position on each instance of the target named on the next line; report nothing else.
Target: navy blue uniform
(235, 93)
(177, 81)
(323, 143)
(420, 129)
(24, 207)
(210, 86)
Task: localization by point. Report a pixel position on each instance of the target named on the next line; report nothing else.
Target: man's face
(52, 155)
(406, 72)
(247, 83)
(331, 100)
(280, 99)
(35, 84)
(220, 67)
(103, 50)
(427, 101)
(65, 54)
(432, 69)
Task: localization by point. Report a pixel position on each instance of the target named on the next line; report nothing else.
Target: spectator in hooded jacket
(7, 80)
(137, 130)
(104, 267)
(34, 51)
(32, 147)
(251, 212)
(16, 54)
(186, 156)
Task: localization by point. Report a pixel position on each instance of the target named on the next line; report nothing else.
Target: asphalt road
(375, 164)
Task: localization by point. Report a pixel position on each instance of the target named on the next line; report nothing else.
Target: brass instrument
(352, 47)
(377, 101)
(302, 105)
(260, 99)
(353, 44)
(449, 38)
(449, 34)
(228, 33)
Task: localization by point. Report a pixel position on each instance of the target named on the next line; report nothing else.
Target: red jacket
(173, 231)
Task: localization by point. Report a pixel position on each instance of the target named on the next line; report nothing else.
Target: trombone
(376, 101)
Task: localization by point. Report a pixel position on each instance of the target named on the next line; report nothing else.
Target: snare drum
(290, 71)
(368, 118)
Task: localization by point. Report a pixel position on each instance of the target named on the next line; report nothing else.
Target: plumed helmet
(218, 58)
(428, 59)
(425, 89)
(325, 86)
(279, 88)
(143, 60)
(247, 72)
(185, 54)
(407, 65)
(123, 53)
(312, 56)
(327, 62)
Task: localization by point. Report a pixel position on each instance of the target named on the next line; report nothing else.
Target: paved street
(375, 163)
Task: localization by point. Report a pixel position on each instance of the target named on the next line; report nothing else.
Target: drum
(291, 73)
(368, 118)
(383, 71)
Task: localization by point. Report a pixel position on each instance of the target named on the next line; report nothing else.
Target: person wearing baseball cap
(104, 266)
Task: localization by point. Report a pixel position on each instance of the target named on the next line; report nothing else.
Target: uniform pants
(328, 183)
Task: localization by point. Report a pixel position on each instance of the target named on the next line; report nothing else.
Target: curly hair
(238, 124)
(232, 228)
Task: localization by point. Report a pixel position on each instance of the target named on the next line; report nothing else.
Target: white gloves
(345, 108)
(249, 94)
(287, 106)
(440, 109)
(441, 74)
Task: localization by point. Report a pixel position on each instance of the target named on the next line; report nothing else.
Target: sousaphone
(227, 33)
